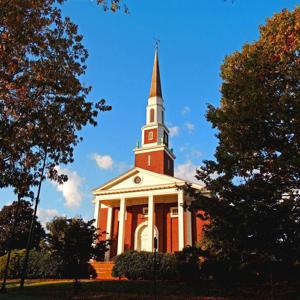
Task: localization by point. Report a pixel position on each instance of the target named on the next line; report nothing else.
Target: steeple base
(159, 161)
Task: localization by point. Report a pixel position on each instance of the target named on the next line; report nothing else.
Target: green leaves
(113, 5)
(44, 103)
(23, 219)
(73, 241)
(257, 159)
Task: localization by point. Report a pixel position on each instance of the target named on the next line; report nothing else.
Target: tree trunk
(11, 240)
(31, 231)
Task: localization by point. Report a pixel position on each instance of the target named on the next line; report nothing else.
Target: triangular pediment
(138, 178)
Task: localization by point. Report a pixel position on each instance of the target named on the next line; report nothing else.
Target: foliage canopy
(43, 100)
(254, 208)
(23, 220)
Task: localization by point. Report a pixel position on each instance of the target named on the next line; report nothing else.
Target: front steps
(103, 269)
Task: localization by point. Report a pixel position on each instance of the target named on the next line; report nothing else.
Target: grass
(143, 290)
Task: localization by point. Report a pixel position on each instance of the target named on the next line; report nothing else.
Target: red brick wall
(102, 223)
(137, 218)
(168, 170)
(114, 236)
(167, 227)
(185, 228)
(161, 226)
(146, 136)
(159, 162)
(174, 234)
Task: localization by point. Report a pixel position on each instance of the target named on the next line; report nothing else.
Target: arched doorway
(141, 237)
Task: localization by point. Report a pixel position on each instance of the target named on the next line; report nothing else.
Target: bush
(140, 265)
(40, 264)
(188, 261)
(15, 265)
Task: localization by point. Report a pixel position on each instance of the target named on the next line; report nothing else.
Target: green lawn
(144, 290)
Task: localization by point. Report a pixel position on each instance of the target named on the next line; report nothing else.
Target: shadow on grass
(144, 290)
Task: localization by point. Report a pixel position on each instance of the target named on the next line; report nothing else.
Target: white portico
(140, 204)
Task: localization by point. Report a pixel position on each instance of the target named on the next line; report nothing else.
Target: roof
(155, 90)
(151, 180)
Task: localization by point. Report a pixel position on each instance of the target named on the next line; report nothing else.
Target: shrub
(43, 265)
(40, 264)
(15, 265)
(188, 261)
(140, 265)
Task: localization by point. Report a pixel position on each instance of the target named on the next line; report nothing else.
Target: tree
(42, 98)
(254, 208)
(42, 264)
(19, 239)
(113, 5)
(74, 241)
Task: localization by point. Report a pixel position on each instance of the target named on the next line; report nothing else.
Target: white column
(150, 223)
(121, 233)
(108, 230)
(189, 228)
(97, 212)
(180, 221)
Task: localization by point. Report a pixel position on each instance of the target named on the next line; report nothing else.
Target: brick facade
(167, 227)
(159, 162)
(150, 138)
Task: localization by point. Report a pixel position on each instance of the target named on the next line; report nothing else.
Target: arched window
(150, 136)
(162, 117)
(166, 139)
(152, 115)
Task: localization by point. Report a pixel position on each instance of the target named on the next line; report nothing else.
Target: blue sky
(195, 37)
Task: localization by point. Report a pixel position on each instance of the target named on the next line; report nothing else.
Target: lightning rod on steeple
(157, 42)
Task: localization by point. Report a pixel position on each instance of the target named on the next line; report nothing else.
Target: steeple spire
(154, 153)
(155, 90)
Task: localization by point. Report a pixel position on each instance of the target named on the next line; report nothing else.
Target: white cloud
(196, 153)
(103, 161)
(46, 215)
(189, 126)
(106, 162)
(174, 131)
(187, 171)
(71, 189)
(185, 110)
(122, 167)
(182, 148)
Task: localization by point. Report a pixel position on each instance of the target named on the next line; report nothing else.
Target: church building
(146, 202)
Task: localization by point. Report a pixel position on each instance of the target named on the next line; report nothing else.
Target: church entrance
(142, 237)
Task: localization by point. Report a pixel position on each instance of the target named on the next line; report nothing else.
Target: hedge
(40, 264)
(43, 264)
(140, 265)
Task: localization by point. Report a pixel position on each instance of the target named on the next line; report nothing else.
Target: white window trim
(145, 211)
(172, 214)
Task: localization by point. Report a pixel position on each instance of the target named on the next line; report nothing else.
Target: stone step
(103, 269)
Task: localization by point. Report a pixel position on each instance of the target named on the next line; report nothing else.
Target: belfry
(146, 201)
(154, 154)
